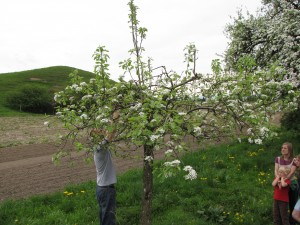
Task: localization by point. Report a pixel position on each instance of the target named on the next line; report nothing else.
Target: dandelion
(46, 123)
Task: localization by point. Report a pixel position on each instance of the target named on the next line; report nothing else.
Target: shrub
(32, 98)
(291, 120)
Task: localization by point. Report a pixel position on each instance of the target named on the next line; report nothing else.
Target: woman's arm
(293, 169)
(276, 169)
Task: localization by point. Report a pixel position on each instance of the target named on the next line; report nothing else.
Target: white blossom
(192, 175)
(46, 123)
(148, 158)
(56, 97)
(78, 89)
(154, 137)
(170, 143)
(197, 131)
(74, 86)
(169, 151)
(83, 84)
(86, 96)
(105, 120)
(173, 163)
(249, 131)
(168, 174)
(84, 116)
(136, 107)
(161, 131)
(182, 113)
(258, 141)
(263, 131)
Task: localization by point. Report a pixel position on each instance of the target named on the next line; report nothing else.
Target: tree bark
(147, 186)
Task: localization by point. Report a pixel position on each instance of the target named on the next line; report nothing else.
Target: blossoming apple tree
(156, 102)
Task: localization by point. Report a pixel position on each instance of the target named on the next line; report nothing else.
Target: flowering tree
(273, 36)
(156, 102)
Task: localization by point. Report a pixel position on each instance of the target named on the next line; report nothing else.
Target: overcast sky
(40, 33)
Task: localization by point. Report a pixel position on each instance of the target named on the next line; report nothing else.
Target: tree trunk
(147, 186)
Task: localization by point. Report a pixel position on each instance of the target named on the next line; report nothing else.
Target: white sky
(39, 33)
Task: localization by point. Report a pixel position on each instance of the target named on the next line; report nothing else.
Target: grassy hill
(54, 78)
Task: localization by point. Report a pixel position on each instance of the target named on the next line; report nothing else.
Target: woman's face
(284, 150)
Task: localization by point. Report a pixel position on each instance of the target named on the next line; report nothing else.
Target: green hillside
(54, 78)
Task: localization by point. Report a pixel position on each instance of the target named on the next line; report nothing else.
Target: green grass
(233, 187)
(54, 78)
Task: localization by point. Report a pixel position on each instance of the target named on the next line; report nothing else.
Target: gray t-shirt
(106, 173)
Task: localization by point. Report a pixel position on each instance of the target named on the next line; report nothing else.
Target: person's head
(297, 160)
(287, 149)
(283, 171)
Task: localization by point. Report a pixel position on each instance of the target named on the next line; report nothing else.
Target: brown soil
(28, 170)
(26, 166)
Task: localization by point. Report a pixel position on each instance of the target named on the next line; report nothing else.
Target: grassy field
(233, 187)
(54, 78)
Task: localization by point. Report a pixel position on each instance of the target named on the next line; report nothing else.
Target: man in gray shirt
(106, 177)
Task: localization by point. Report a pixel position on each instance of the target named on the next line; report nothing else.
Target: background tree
(156, 103)
(270, 37)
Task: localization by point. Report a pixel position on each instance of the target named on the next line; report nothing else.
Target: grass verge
(233, 187)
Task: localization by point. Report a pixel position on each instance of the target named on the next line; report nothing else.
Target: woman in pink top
(286, 160)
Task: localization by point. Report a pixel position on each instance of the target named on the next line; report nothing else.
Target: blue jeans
(106, 197)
